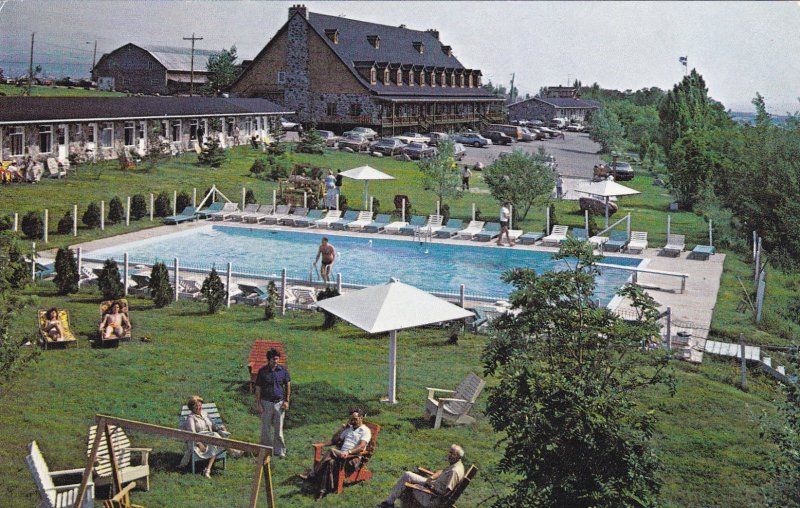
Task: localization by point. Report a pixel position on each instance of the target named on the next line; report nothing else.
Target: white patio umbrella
(606, 189)
(366, 173)
(388, 308)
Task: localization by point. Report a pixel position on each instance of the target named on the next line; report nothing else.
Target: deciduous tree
(522, 178)
(440, 173)
(222, 71)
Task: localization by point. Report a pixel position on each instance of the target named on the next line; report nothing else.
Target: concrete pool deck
(693, 307)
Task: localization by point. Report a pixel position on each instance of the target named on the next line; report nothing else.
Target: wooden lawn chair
(258, 358)
(53, 496)
(122, 499)
(122, 452)
(454, 409)
(104, 306)
(409, 496)
(68, 337)
(361, 473)
(213, 414)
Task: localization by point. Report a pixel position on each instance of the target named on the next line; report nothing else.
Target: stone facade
(296, 92)
(536, 109)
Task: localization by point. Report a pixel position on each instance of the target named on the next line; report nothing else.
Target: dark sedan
(355, 143)
(498, 138)
(418, 150)
(388, 146)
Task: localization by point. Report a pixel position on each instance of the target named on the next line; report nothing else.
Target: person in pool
(328, 255)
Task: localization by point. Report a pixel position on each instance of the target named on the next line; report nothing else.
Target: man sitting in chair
(352, 438)
(441, 482)
(115, 323)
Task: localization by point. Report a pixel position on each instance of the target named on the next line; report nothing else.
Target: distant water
(750, 118)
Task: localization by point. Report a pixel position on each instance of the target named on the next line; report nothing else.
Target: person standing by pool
(330, 191)
(339, 179)
(559, 187)
(465, 174)
(505, 218)
(328, 255)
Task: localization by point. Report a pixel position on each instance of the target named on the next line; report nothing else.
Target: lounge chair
(248, 209)
(54, 170)
(556, 236)
(397, 226)
(190, 288)
(380, 222)
(433, 224)
(453, 227)
(490, 231)
(188, 214)
(472, 229)
(598, 241)
(331, 217)
(258, 358)
(342, 475)
(304, 298)
(263, 212)
(418, 496)
(579, 234)
(454, 408)
(348, 217)
(252, 295)
(212, 208)
(362, 220)
(43, 271)
(53, 496)
(617, 240)
(142, 284)
(228, 209)
(308, 220)
(530, 238)
(104, 306)
(67, 336)
(703, 252)
(281, 212)
(213, 414)
(297, 213)
(675, 245)
(122, 454)
(638, 241)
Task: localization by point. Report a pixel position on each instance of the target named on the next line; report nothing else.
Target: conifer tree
(109, 281)
(214, 292)
(160, 288)
(67, 275)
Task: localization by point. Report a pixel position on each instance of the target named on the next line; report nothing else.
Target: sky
(740, 48)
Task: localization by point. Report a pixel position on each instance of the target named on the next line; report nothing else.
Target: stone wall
(296, 91)
(531, 110)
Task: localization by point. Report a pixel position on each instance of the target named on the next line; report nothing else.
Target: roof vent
(332, 34)
(374, 41)
(419, 47)
(433, 32)
(447, 50)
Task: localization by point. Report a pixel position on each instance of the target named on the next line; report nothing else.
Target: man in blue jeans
(273, 392)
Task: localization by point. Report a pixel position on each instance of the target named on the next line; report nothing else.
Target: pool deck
(693, 307)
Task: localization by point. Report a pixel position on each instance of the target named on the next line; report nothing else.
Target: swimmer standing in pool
(328, 255)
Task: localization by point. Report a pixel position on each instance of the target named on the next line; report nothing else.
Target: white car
(290, 126)
(364, 132)
(413, 137)
(575, 127)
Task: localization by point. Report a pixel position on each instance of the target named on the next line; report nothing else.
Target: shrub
(258, 167)
(162, 205)
(109, 281)
(214, 292)
(160, 288)
(67, 275)
(6, 222)
(212, 154)
(280, 167)
(249, 197)
(376, 205)
(272, 301)
(91, 217)
(330, 319)
(138, 206)
(65, 224)
(445, 211)
(182, 201)
(115, 211)
(16, 272)
(312, 142)
(276, 149)
(32, 225)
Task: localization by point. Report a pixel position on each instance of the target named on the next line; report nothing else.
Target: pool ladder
(423, 237)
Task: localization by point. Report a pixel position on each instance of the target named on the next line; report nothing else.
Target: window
(355, 109)
(248, 125)
(461, 79)
(386, 76)
(373, 76)
(331, 109)
(411, 78)
(399, 77)
(421, 78)
(17, 136)
(470, 80)
(45, 138)
(281, 77)
(130, 133)
(107, 135)
(92, 134)
(193, 125)
(176, 130)
(142, 130)
(230, 126)
(62, 134)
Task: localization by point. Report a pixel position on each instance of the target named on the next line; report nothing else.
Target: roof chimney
(403, 26)
(433, 32)
(374, 41)
(419, 47)
(298, 8)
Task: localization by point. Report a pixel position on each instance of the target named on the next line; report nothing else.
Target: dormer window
(433, 78)
(447, 50)
(419, 47)
(332, 34)
(421, 78)
(461, 81)
(411, 77)
(373, 76)
(478, 80)
(470, 81)
(374, 41)
(452, 79)
(399, 77)
(442, 79)
(386, 76)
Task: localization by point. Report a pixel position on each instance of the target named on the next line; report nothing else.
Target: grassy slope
(56, 91)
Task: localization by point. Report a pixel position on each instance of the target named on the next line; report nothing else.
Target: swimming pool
(362, 260)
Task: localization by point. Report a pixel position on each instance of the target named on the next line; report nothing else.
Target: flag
(684, 60)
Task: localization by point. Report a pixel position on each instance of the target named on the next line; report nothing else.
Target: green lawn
(55, 91)
(708, 434)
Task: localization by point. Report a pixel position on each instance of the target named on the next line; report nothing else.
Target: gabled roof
(562, 102)
(19, 110)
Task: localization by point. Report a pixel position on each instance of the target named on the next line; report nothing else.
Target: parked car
(364, 132)
(459, 151)
(550, 132)
(575, 127)
(355, 142)
(498, 138)
(558, 123)
(529, 134)
(437, 137)
(471, 139)
(388, 146)
(419, 150)
(535, 123)
(290, 126)
(623, 170)
(512, 131)
(413, 137)
(329, 137)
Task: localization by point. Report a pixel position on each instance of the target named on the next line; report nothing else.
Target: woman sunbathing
(114, 322)
(52, 327)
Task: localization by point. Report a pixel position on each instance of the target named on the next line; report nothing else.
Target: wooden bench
(213, 414)
(62, 496)
(122, 453)
(408, 499)
(258, 358)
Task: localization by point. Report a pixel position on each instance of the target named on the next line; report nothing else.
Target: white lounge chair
(332, 216)
(362, 220)
(54, 170)
(61, 496)
(638, 241)
(394, 227)
(455, 407)
(248, 210)
(472, 229)
(263, 212)
(281, 213)
(556, 236)
(122, 453)
(228, 209)
(433, 225)
(675, 245)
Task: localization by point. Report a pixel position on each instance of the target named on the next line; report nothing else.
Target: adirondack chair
(454, 409)
(122, 453)
(409, 496)
(46, 340)
(258, 358)
(53, 496)
(361, 473)
(54, 170)
(213, 414)
(104, 306)
(122, 499)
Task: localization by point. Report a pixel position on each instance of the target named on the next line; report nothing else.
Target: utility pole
(94, 59)
(30, 66)
(191, 84)
(511, 92)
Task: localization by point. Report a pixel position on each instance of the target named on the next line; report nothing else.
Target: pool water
(360, 259)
